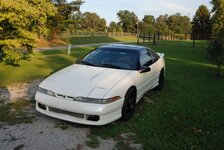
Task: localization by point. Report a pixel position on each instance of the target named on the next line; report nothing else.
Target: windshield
(112, 58)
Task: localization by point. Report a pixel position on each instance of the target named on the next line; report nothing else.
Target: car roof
(124, 46)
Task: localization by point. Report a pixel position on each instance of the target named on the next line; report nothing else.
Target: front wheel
(129, 104)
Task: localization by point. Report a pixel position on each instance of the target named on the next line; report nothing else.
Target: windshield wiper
(86, 63)
(111, 66)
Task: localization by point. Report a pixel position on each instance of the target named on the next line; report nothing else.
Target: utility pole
(137, 34)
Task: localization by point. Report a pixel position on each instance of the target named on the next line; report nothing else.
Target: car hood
(83, 80)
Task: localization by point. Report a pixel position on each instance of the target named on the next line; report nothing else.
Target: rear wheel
(129, 104)
(161, 80)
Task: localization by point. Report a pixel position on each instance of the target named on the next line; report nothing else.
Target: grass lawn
(84, 40)
(41, 65)
(187, 114)
(15, 113)
(45, 63)
(100, 39)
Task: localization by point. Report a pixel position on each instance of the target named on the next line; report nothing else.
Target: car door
(145, 79)
(155, 66)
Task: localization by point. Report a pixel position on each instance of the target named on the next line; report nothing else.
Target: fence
(96, 34)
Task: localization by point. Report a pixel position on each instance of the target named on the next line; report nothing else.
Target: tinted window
(145, 58)
(112, 58)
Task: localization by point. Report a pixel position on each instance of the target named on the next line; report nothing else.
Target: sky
(108, 8)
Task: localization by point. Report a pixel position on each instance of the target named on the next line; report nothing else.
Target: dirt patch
(43, 42)
(19, 91)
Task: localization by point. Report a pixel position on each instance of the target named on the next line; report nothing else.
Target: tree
(201, 24)
(112, 27)
(179, 24)
(76, 5)
(119, 28)
(128, 21)
(21, 21)
(161, 24)
(216, 44)
(147, 25)
(67, 18)
(58, 22)
(92, 22)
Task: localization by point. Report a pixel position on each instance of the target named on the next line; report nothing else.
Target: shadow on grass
(54, 61)
(4, 95)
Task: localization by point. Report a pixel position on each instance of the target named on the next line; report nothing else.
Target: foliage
(21, 22)
(216, 45)
(76, 4)
(112, 27)
(92, 22)
(201, 24)
(161, 24)
(58, 22)
(165, 24)
(128, 21)
(179, 24)
(115, 27)
(147, 25)
(67, 17)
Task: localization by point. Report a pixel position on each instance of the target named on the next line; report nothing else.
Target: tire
(161, 81)
(129, 104)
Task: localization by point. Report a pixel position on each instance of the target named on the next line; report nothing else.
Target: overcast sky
(109, 8)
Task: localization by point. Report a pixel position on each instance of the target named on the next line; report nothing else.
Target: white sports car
(103, 86)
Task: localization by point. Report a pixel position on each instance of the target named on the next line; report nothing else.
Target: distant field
(84, 40)
(100, 39)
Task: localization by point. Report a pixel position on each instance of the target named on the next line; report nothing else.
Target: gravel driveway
(45, 133)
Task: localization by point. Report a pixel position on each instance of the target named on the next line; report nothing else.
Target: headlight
(44, 91)
(97, 101)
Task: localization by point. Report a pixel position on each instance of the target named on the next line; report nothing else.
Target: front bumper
(78, 112)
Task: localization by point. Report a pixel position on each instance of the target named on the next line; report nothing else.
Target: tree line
(23, 21)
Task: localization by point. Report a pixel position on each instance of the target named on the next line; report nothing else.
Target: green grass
(92, 141)
(185, 43)
(15, 113)
(121, 145)
(100, 39)
(45, 63)
(187, 114)
(63, 126)
(41, 65)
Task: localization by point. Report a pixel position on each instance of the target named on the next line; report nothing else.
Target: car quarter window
(146, 58)
(154, 55)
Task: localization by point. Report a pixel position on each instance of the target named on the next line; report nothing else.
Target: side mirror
(145, 69)
(77, 60)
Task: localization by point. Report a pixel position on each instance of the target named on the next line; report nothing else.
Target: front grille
(64, 96)
(94, 118)
(77, 115)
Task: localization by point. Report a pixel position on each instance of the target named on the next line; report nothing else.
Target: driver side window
(145, 58)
